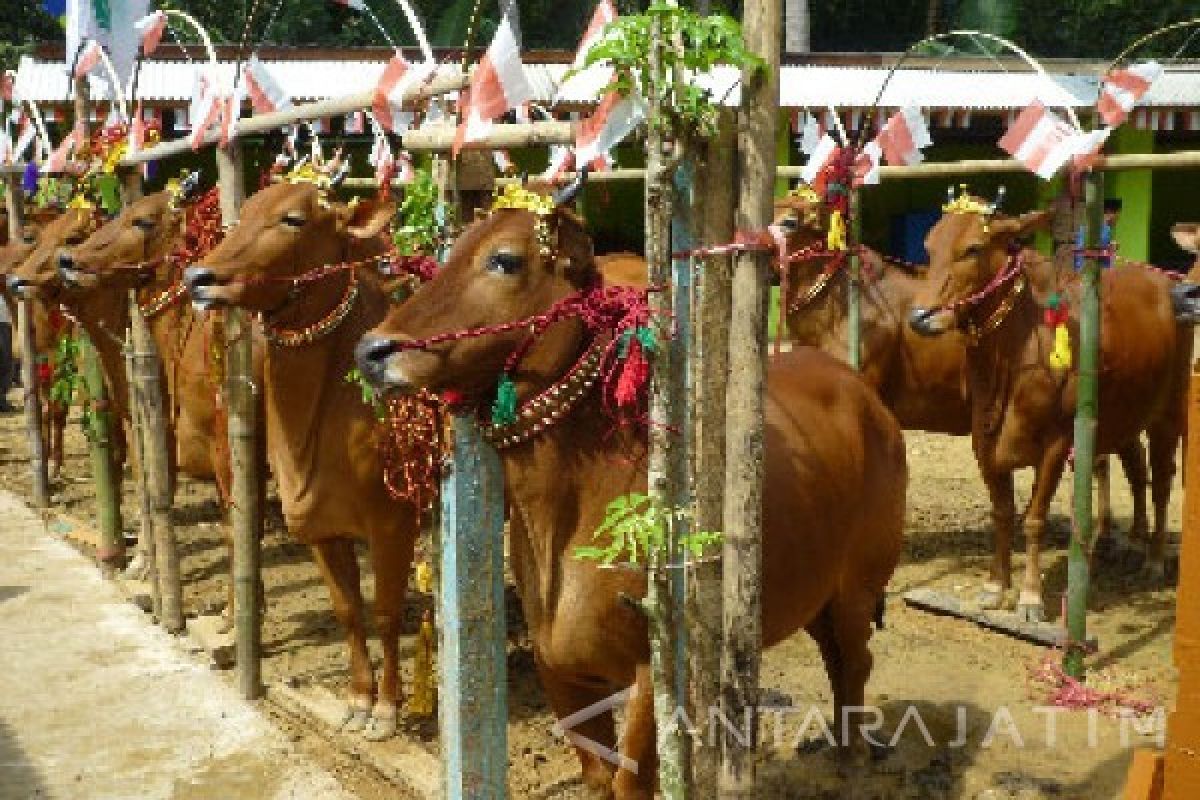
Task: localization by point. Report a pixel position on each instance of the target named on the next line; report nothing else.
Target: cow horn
(339, 176)
(189, 185)
(1001, 193)
(568, 193)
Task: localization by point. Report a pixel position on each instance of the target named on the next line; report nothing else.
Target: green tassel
(504, 410)
(648, 339)
(1054, 302)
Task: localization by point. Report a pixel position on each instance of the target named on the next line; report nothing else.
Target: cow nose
(371, 355)
(197, 278)
(1185, 301)
(17, 285)
(921, 321)
(66, 260)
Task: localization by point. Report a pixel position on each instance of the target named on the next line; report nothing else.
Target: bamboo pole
(440, 138)
(29, 382)
(709, 367)
(155, 467)
(1086, 409)
(98, 423)
(240, 391)
(854, 297)
(444, 83)
(142, 566)
(741, 650)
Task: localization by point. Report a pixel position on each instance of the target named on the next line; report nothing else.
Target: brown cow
(48, 325)
(982, 279)
(833, 494)
(921, 379)
(138, 250)
(321, 437)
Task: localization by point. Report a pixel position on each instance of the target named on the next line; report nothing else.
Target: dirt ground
(970, 689)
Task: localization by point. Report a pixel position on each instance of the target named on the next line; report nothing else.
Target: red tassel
(634, 376)
(453, 398)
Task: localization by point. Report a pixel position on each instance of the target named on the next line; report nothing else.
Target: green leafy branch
(370, 395)
(696, 45)
(637, 528)
(65, 378)
(421, 231)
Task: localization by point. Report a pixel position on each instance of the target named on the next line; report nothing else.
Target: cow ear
(576, 257)
(367, 219)
(1187, 236)
(1025, 225)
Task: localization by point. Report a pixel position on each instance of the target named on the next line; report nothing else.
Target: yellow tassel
(424, 577)
(1060, 356)
(423, 700)
(836, 238)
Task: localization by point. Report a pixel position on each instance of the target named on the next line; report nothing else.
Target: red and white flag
(59, 157)
(615, 118)
(6, 86)
(6, 147)
(355, 123)
(497, 85)
(137, 129)
(88, 59)
(404, 168)
(398, 77)
(562, 161)
(866, 166)
(205, 109)
(903, 136)
(823, 153)
(356, 5)
(382, 160)
(151, 28)
(265, 93)
(1044, 142)
(1123, 88)
(503, 161)
(604, 14)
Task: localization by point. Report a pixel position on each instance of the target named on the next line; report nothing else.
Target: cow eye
(973, 251)
(144, 225)
(74, 239)
(505, 263)
(29, 238)
(790, 224)
(293, 219)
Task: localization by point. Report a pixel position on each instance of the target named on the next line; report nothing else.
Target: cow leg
(1046, 477)
(339, 568)
(1103, 476)
(1164, 441)
(1004, 513)
(851, 615)
(566, 698)
(391, 558)
(637, 742)
(1133, 462)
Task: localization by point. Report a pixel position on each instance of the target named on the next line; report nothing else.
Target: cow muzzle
(377, 358)
(1185, 302)
(21, 288)
(930, 321)
(201, 283)
(72, 276)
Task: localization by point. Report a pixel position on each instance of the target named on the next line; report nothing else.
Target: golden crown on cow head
(805, 193)
(964, 203)
(515, 196)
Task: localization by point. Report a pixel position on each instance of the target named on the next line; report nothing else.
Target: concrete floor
(95, 702)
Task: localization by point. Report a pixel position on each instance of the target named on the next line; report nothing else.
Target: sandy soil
(944, 668)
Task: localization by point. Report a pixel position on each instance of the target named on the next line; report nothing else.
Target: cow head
(284, 231)
(126, 251)
(506, 267)
(37, 275)
(968, 250)
(803, 219)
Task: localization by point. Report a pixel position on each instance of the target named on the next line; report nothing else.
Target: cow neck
(104, 315)
(553, 479)
(301, 380)
(313, 312)
(817, 309)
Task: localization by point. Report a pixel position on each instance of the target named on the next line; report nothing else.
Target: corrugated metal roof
(800, 86)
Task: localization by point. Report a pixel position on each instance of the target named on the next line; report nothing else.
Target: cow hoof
(991, 596)
(1154, 570)
(381, 725)
(355, 720)
(138, 569)
(1030, 608)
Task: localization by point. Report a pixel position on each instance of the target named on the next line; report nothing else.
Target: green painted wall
(1136, 191)
(1175, 200)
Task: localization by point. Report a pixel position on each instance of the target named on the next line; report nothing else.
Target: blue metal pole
(473, 707)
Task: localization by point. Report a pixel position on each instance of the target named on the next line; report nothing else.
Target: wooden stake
(854, 298)
(742, 553)
(1086, 408)
(709, 369)
(143, 563)
(29, 380)
(242, 407)
(156, 467)
(473, 697)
